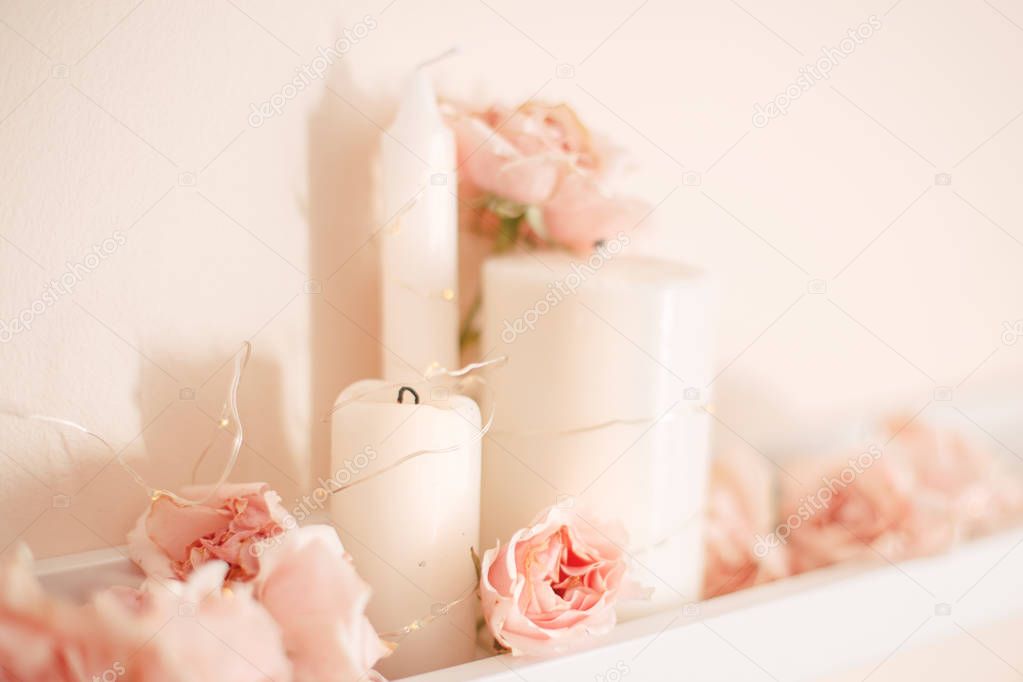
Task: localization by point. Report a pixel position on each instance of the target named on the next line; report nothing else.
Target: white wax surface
(587, 343)
(410, 529)
(419, 247)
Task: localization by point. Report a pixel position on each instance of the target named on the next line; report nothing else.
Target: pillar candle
(419, 243)
(410, 529)
(615, 343)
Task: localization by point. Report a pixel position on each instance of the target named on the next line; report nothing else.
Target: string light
(421, 623)
(229, 415)
(466, 385)
(669, 417)
(447, 294)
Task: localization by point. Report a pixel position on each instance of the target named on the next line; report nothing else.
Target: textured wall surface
(867, 242)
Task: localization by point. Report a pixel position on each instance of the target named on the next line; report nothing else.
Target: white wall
(134, 120)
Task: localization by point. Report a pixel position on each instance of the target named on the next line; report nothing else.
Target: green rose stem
(507, 236)
(508, 233)
(469, 334)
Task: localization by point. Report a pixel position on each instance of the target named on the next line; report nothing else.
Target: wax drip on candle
(434, 371)
(462, 386)
(401, 393)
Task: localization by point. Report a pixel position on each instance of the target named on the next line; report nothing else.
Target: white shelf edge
(795, 629)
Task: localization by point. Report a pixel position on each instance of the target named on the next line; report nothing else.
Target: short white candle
(419, 246)
(592, 341)
(410, 529)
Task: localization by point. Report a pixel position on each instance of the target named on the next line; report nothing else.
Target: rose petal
(548, 589)
(581, 213)
(312, 590)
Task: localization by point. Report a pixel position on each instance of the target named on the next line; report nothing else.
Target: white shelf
(802, 628)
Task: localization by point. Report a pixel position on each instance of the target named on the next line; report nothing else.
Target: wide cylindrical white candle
(600, 404)
(410, 529)
(419, 242)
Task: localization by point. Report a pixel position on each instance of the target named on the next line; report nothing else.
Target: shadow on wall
(44, 467)
(343, 326)
(343, 257)
(179, 431)
(748, 413)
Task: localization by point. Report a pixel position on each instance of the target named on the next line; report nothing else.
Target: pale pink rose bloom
(542, 156)
(196, 630)
(496, 166)
(580, 213)
(740, 512)
(877, 514)
(549, 130)
(45, 639)
(927, 490)
(554, 585)
(172, 539)
(964, 481)
(309, 585)
(992, 505)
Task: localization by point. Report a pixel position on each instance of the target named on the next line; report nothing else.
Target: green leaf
(477, 562)
(470, 333)
(507, 234)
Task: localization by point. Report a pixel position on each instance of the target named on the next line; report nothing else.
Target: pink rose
(548, 130)
(493, 164)
(172, 632)
(541, 156)
(553, 585)
(44, 639)
(172, 539)
(926, 491)
(974, 494)
(308, 584)
(739, 512)
(862, 508)
(581, 214)
(882, 510)
(195, 630)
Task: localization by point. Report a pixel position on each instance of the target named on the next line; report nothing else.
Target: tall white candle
(410, 529)
(419, 244)
(615, 343)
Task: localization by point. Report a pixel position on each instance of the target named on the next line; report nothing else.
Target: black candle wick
(401, 394)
